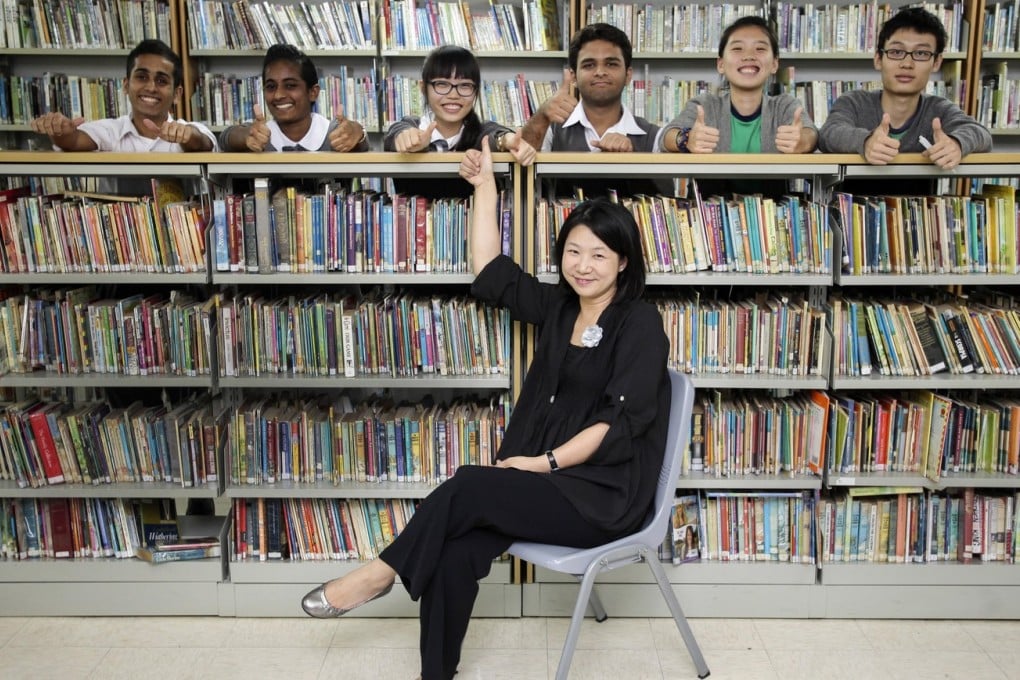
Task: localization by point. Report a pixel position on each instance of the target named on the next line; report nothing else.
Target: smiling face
(150, 88)
(589, 266)
(450, 109)
(288, 97)
(907, 77)
(601, 73)
(748, 60)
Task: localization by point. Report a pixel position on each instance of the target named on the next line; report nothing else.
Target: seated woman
(450, 81)
(581, 456)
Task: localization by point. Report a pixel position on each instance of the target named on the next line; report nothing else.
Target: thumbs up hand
(347, 134)
(414, 140)
(559, 107)
(788, 137)
(880, 148)
(945, 151)
(55, 124)
(476, 166)
(258, 132)
(703, 138)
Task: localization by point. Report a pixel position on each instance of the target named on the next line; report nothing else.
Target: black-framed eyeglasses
(445, 87)
(916, 55)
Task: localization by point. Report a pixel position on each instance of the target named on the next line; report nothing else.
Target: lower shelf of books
(110, 587)
(276, 589)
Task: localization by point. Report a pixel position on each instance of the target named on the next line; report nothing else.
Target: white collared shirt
(625, 126)
(451, 142)
(120, 134)
(312, 141)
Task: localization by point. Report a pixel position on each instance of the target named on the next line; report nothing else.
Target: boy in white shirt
(153, 85)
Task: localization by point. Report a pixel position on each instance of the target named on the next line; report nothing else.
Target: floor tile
(735, 634)
(724, 664)
(370, 664)
(994, 636)
(1008, 663)
(128, 663)
(610, 664)
(246, 663)
(613, 633)
(503, 664)
(826, 664)
(302, 632)
(948, 665)
(9, 627)
(384, 633)
(524, 633)
(149, 631)
(48, 662)
(812, 634)
(919, 635)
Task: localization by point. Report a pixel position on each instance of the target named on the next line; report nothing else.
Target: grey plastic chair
(642, 546)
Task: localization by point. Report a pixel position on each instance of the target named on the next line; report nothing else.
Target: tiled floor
(522, 649)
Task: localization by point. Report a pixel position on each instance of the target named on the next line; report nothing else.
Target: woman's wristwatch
(553, 465)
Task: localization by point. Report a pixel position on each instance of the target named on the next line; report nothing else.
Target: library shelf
(419, 382)
(783, 481)
(114, 490)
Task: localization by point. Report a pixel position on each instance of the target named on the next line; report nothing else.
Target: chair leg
(580, 607)
(596, 604)
(678, 615)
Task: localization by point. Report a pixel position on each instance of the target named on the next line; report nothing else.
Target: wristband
(553, 465)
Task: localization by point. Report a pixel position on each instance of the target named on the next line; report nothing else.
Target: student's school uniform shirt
(120, 134)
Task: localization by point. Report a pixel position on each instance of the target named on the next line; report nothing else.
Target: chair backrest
(681, 406)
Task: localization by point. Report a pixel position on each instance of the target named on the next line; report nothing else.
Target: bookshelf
(828, 590)
(274, 588)
(710, 588)
(90, 586)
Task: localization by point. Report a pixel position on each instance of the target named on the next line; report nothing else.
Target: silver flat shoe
(315, 603)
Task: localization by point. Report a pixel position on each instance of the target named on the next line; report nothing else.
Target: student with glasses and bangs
(450, 80)
(901, 117)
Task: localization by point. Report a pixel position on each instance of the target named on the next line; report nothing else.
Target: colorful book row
(396, 335)
(77, 332)
(422, 25)
(47, 234)
(244, 25)
(774, 334)
(102, 24)
(23, 98)
(303, 529)
(921, 338)
(335, 441)
(931, 234)
(47, 443)
(923, 433)
(339, 230)
(904, 525)
(62, 528)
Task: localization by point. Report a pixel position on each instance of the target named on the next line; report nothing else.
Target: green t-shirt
(745, 133)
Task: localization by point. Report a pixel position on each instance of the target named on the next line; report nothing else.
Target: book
(178, 553)
(686, 530)
(263, 229)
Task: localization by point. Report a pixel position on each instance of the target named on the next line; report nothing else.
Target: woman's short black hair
(615, 226)
(450, 61)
